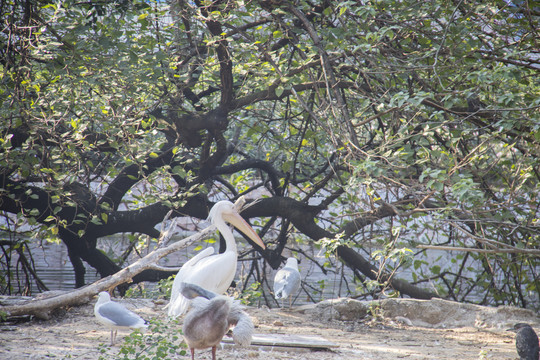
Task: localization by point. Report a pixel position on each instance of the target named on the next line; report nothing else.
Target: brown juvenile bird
(210, 317)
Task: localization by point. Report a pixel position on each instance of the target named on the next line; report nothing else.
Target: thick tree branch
(225, 62)
(270, 92)
(302, 216)
(143, 220)
(132, 174)
(265, 166)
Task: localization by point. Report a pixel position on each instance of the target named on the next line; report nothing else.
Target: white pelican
(212, 272)
(287, 281)
(210, 317)
(116, 316)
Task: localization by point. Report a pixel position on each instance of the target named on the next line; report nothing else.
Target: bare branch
(483, 251)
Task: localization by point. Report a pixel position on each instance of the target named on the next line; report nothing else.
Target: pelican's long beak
(238, 222)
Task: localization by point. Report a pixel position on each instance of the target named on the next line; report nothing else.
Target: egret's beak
(238, 222)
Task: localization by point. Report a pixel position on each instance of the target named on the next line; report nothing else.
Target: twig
(166, 236)
(484, 251)
(164, 268)
(436, 57)
(483, 240)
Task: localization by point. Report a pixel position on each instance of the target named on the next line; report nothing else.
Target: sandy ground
(401, 329)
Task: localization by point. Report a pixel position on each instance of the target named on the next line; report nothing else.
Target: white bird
(116, 316)
(212, 272)
(287, 281)
(210, 317)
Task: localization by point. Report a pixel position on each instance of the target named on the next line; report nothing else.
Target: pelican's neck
(227, 234)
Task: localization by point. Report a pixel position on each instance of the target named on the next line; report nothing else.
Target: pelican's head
(219, 209)
(224, 210)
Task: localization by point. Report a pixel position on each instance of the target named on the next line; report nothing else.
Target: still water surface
(55, 270)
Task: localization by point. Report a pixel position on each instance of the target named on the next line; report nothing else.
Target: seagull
(287, 281)
(116, 316)
(210, 317)
(212, 272)
(526, 342)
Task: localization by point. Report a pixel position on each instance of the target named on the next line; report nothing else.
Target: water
(54, 267)
(55, 270)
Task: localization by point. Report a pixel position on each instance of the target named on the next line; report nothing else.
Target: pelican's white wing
(214, 273)
(178, 303)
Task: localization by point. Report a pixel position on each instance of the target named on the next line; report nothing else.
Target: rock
(441, 313)
(351, 309)
(434, 313)
(344, 309)
(403, 320)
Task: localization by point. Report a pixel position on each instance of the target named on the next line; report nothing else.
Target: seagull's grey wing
(191, 291)
(293, 282)
(120, 316)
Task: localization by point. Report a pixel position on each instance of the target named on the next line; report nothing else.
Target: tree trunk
(78, 268)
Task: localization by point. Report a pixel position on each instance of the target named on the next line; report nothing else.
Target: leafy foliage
(395, 124)
(161, 341)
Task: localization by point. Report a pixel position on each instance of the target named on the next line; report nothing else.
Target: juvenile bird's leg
(214, 352)
(192, 353)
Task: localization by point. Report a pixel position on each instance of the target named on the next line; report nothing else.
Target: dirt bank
(392, 329)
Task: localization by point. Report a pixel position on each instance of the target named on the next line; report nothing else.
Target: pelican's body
(209, 271)
(287, 281)
(115, 316)
(210, 317)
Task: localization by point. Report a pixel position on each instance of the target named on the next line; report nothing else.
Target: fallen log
(42, 308)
